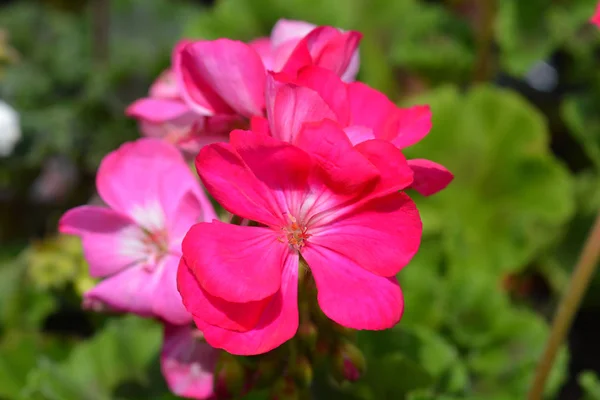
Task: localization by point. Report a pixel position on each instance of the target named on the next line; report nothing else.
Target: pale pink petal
(236, 263)
(262, 46)
(167, 302)
(394, 171)
(352, 70)
(350, 295)
(106, 234)
(346, 169)
(212, 310)
(278, 323)
(157, 110)
(128, 179)
(430, 177)
(414, 124)
(286, 29)
(187, 363)
(231, 182)
(193, 87)
(382, 236)
(232, 69)
(358, 134)
(290, 106)
(165, 86)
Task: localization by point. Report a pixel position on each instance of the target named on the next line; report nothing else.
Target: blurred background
(515, 90)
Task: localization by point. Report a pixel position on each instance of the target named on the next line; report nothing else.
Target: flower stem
(580, 279)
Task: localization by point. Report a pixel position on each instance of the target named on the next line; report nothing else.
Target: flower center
(156, 243)
(295, 233)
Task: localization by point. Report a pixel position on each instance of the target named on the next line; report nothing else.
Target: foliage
(525, 193)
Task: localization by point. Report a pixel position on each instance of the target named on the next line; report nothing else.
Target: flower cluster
(308, 165)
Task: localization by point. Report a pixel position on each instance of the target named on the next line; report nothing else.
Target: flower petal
(351, 71)
(128, 178)
(187, 363)
(382, 236)
(212, 310)
(165, 86)
(157, 110)
(137, 290)
(236, 263)
(286, 29)
(262, 46)
(414, 124)
(290, 106)
(232, 69)
(394, 171)
(372, 109)
(346, 169)
(350, 295)
(430, 177)
(106, 235)
(278, 323)
(331, 89)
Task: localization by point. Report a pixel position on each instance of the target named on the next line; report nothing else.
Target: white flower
(10, 129)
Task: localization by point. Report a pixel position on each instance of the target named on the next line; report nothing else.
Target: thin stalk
(580, 279)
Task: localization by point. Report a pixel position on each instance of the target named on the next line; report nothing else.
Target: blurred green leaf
(510, 196)
(120, 352)
(590, 384)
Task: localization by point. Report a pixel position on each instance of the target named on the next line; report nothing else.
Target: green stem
(484, 28)
(580, 279)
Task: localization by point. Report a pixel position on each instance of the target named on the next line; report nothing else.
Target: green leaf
(590, 384)
(121, 352)
(510, 196)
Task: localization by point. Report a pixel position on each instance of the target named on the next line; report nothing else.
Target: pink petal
(596, 18)
(346, 169)
(331, 89)
(165, 86)
(193, 87)
(414, 125)
(187, 363)
(105, 236)
(212, 310)
(236, 263)
(382, 236)
(430, 177)
(290, 106)
(394, 171)
(278, 323)
(231, 69)
(372, 109)
(128, 178)
(144, 289)
(350, 295)
(262, 47)
(157, 110)
(231, 182)
(358, 134)
(260, 125)
(286, 29)
(352, 70)
(328, 47)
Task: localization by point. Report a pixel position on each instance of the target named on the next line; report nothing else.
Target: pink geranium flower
(135, 242)
(164, 114)
(187, 362)
(227, 77)
(337, 206)
(315, 93)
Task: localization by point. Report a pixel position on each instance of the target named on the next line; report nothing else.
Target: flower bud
(285, 389)
(302, 372)
(229, 377)
(308, 334)
(268, 369)
(348, 363)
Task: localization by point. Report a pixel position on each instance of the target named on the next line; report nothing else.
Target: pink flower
(165, 115)
(227, 77)
(316, 93)
(336, 206)
(596, 18)
(187, 363)
(135, 243)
